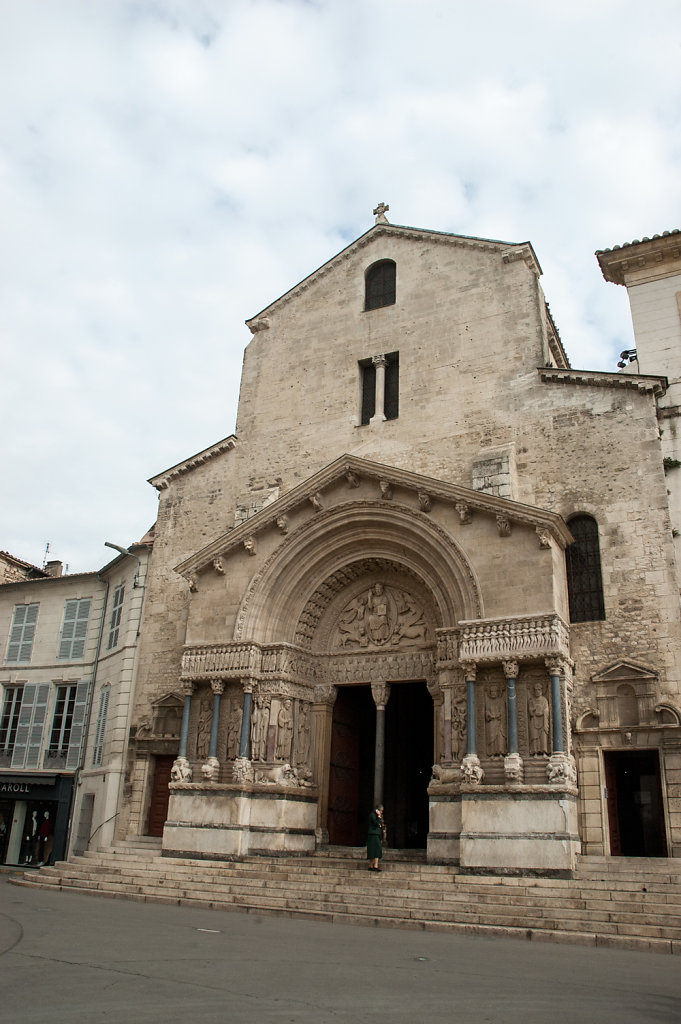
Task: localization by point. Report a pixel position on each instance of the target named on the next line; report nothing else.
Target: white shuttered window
(74, 629)
(22, 633)
(115, 624)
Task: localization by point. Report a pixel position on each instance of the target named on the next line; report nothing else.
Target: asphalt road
(71, 958)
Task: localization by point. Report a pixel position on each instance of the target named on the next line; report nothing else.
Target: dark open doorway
(635, 809)
(408, 765)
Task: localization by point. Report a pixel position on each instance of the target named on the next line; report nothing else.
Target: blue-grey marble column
(186, 713)
(245, 742)
(555, 671)
(469, 669)
(218, 689)
(511, 673)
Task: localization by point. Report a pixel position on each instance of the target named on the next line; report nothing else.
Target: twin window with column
(380, 386)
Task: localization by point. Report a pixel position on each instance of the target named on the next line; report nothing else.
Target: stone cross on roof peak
(380, 213)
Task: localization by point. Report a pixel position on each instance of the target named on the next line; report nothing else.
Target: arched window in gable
(583, 564)
(379, 284)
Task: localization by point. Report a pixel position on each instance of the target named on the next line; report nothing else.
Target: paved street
(71, 958)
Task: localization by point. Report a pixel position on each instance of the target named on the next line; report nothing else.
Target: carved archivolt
(397, 534)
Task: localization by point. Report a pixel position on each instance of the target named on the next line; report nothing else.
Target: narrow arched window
(379, 285)
(583, 565)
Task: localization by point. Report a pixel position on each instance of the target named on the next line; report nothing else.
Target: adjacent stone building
(434, 567)
(69, 647)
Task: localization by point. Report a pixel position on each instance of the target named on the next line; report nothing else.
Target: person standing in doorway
(375, 838)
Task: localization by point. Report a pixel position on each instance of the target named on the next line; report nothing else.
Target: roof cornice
(162, 480)
(650, 257)
(428, 488)
(643, 383)
(510, 252)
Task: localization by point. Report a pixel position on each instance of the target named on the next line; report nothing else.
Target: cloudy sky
(168, 167)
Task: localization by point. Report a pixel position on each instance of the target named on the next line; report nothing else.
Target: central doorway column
(322, 720)
(513, 763)
(381, 694)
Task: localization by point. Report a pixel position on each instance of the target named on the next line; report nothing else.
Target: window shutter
(78, 725)
(35, 740)
(22, 632)
(74, 629)
(101, 726)
(24, 727)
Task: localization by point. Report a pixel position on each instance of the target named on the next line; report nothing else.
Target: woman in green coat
(375, 836)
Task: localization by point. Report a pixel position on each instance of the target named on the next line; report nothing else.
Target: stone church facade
(435, 567)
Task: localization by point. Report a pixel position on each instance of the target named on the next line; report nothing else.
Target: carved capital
(324, 694)
(470, 670)
(510, 669)
(503, 525)
(217, 686)
(379, 360)
(433, 686)
(425, 503)
(555, 665)
(464, 512)
(381, 694)
(248, 685)
(187, 687)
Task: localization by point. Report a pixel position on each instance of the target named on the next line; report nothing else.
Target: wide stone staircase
(621, 902)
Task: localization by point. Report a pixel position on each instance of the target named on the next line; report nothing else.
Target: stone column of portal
(211, 768)
(381, 694)
(243, 769)
(181, 770)
(380, 362)
(322, 721)
(471, 771)
(560, 769)
(513, 763)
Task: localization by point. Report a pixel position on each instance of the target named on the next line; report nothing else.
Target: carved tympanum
(379, 617)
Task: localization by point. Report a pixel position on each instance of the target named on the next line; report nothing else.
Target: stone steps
(638, 905)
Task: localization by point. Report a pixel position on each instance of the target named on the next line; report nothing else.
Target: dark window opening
(368, 376)
(379, 285)
(583, 565)
(391, 404)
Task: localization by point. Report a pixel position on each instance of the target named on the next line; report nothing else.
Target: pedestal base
(519, 830)
(227, 822)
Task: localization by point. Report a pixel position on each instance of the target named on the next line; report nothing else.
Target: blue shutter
(77, 726)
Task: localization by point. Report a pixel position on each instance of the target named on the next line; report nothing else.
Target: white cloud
(169, 167)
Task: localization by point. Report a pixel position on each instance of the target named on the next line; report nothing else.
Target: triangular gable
(625, 671)
(351, 466)
(510, 251)
(168, 700)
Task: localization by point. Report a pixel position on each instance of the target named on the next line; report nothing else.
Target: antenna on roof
(47, 551)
